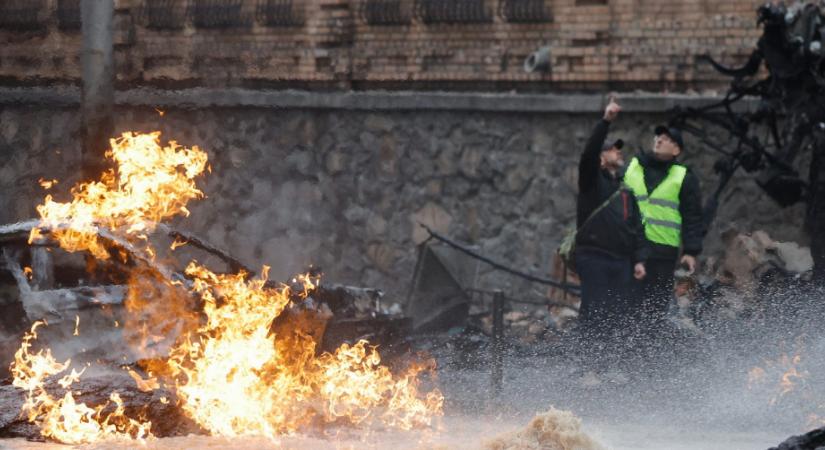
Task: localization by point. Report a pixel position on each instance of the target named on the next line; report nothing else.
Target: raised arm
(589, 163)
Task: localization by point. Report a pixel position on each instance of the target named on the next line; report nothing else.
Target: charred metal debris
(787, 126)
(40, 281)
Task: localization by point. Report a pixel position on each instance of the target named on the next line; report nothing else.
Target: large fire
(231, 372)
(151, 183)
(234, 381)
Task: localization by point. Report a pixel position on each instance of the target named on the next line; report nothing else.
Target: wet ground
(462, 433)
(689, 392)
(615, 411)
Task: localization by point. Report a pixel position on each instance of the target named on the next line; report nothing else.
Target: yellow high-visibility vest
(660, 208)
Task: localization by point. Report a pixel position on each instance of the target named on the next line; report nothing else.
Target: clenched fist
(612, 110)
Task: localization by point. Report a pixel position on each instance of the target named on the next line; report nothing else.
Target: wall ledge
(198, 98)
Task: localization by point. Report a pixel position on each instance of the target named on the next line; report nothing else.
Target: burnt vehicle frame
(58, 288)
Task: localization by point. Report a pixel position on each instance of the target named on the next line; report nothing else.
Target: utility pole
(97, 63)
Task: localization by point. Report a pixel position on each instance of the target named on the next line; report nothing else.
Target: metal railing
(176, 14)
(386, 12)
(524, 11)
(218, 14)
(68, 15)
(23, 15)
(163, 14)
(280, 13)
(452, 12)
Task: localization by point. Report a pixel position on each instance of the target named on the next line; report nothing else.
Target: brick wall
(396, 44)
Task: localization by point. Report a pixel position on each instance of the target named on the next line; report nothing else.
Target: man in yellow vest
(670, 201)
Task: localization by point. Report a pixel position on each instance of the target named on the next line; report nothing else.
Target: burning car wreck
(41, 282)
(159, 328)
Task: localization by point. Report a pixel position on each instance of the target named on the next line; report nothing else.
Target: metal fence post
(497, 347)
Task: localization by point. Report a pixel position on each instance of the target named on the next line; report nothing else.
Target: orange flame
(151, 183)
(236, 379)
(791, 376)
(177, 244)
(784, 370)
(64, 419)
(232, 371)
(144, 385)
(47, 184)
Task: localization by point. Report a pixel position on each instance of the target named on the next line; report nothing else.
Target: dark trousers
(606, 282)
(654, 294)
(658, 343)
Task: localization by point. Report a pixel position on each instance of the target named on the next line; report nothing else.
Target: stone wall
(344, 189)
(368, 44)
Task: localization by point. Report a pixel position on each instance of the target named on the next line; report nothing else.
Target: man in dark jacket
(670, 200)
(610, 244)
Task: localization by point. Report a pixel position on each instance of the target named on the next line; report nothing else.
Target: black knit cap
(674, 134)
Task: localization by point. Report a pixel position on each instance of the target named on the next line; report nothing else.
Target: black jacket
(617, 229)
(690, 207)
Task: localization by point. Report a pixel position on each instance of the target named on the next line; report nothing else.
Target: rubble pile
(741, 279)
(526, 326)
(748, 259)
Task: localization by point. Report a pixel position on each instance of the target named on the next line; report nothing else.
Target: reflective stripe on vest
(660, 208)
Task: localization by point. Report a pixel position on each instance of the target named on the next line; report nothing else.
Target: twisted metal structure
(786, 131)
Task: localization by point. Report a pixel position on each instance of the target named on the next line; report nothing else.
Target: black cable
(572, 288)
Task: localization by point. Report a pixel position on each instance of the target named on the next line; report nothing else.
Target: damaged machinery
(787, 128)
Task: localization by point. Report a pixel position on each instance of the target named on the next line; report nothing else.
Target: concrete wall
(342, 187)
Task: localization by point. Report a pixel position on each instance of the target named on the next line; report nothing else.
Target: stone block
(433, 216)
(379, 123)
(335, 162)
(382, 256)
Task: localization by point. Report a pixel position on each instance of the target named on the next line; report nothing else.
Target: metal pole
(97, 63)
(498, 334)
